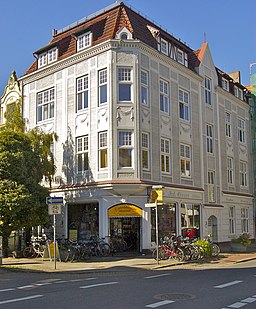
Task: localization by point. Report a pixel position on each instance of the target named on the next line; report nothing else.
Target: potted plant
(240, 243)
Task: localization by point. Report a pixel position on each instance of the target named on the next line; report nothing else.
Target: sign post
(54, 208)
(1, 249)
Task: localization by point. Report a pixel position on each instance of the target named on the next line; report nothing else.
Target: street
(170, 288)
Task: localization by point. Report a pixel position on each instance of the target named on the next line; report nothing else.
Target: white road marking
(156, 276)
(237, 305)
(61, 281)
(41, 284)
(96, 285)
(249, 300)
(228, 284)
(6, 290)
(25, 287)
(19, 299)
(79, 280)
(160, 303)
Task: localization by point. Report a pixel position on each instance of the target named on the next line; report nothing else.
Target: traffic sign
(54, 209)
(54, 200)
(150, 205)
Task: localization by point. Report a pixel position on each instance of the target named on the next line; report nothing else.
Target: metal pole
(157, 244)
(54, 240)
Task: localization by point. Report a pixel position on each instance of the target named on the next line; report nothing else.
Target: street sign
(150, 205)
(54, 209)
(54, 200)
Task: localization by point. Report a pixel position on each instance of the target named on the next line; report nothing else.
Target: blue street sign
(54, 200)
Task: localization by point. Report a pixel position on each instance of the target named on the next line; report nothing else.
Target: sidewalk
(118, 263)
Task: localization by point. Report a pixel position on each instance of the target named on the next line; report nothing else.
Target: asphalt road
(182, 288)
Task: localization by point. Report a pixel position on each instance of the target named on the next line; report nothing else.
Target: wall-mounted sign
(125, 210)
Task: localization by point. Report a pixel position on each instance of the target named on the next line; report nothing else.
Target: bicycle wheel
(161, 254)
(215, 250)
(27, 252)
(104, 249)
(179, 255)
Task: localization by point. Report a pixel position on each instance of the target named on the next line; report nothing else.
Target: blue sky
(26, 26)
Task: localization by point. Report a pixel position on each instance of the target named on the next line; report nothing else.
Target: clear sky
(26, 26)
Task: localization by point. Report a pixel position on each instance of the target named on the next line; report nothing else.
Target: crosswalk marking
(221, 286)
(19, 299)
(237, 305)
(249, 300)
(160, 303)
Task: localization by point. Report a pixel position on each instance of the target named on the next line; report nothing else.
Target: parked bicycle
(169, 249)
(35, 248)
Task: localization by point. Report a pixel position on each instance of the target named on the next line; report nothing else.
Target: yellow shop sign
(125, 210)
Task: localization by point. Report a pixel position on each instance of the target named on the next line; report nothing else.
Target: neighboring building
(135, 107)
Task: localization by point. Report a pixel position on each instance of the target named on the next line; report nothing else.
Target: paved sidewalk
(118, 263)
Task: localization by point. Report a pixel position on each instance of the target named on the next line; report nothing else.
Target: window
(232, 220)
(211, 195)
(241, 131)
(45, 104)
(103, 86)
(243, 174)
(103, 149)
(124, 84)
(144, 87)
(165, 155)
(238, 92)
(125, 145)
(228, 124)
(52, 55)
(209, 138)
(82, 158)
(230, 171)
(225, 84)
(164, 47)
(184, 104)
(182, 57)
(164, 96)
(42, 60)
(145, 151)
(83, 41)
(124, 36)
(47, 57)
(185, 160)
(82, 93)
(245, 220)
(208, 90)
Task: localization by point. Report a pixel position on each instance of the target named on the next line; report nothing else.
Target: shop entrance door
(128, 229)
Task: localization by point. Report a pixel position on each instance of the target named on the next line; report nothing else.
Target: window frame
(230, 170)
(83, 152)
(228, 129)
(145, 151)
(186, 160)
(84, 41)
(47, 106)
(184, 107)
(209, 138)
(165, 150)
(208, 90)
(241, 130)
(164, 96)
(243, 168)
(103, 149)
(144, 87)
(125, 79)
(102, 84)
(83, 102)
(225, 84)
(47, 57)
(245, 219)
(127, 144)
(232, 220)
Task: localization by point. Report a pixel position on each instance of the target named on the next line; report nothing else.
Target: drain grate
(174, 296)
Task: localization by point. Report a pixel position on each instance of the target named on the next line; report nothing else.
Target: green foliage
(243, 239)
(205, 246)
(14, 119)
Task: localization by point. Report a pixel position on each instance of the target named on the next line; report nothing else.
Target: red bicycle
(169, 250)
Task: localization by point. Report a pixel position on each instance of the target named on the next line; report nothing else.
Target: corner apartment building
(134, 107)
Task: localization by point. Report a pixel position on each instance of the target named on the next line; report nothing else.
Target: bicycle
(35, 248)
(169, 250)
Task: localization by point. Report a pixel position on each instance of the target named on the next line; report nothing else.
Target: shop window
(190, 220)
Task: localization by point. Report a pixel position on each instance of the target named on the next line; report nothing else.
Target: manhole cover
(174, 296)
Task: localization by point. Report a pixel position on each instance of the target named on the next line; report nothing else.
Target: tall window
(103, 86)
(243, 174)
(82, 153)
(228, 124)
(164, 96)
(164, 47)
(184, 104)
(145, 151)
(211, 195)
(42, 60)
(209, 138)
(241, 130)
(230, 171)
(232, 220)
(83, 41)
(45, 104)
(245, 220)
(82, 88)
(182, 57)
(225, 84)
(124, 84)
(144, 87)
(185, 160)
(125, 148)
(165, 155)
(103, 149)
(208, 90)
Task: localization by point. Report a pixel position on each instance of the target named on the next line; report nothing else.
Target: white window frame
(42, 60)
(208, 90)
(164, 96)
(103, 149)
(47, 57)
(241, 130)
(185, 160)
(125, 82)
(82, 154)
(209, 138)
(245, 219)
(182, 57)
(126, 145)
(228, 124)
(145, 151)
(211, 188)
(164, 46)
(165, 156)
(84, 40)
(230, 170)
(184, 105)
(232, 220)
(82, 93)
(52, 55)
(45, 104)
(103, 86)
(243, 174)
(225, 84)
(144, 87)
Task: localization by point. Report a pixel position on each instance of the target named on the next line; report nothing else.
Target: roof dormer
(124, 34)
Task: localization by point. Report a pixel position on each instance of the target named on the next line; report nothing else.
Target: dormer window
(225, 84)
(124, 34)
(238, 92)
(182, 57)
(164, 47)
(84, 41)
(47, 57)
